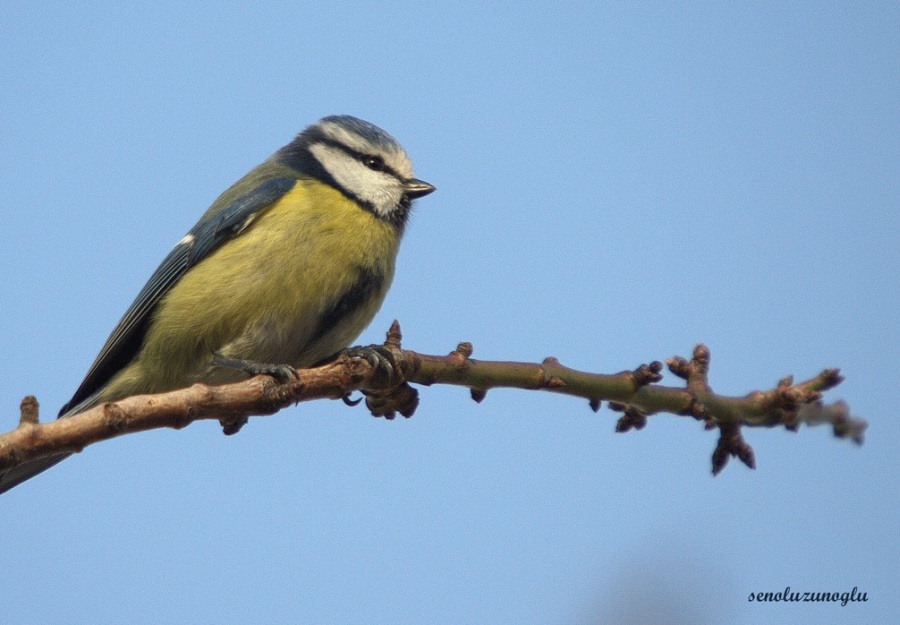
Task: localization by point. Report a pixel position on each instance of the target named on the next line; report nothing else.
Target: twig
(383, 373)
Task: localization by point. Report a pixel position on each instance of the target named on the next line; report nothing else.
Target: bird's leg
(282, 373)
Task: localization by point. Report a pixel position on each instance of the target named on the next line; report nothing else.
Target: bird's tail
(16, 475)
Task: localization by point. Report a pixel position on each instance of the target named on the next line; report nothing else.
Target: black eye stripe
(362, 158)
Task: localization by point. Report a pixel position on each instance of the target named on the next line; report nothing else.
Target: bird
(283, 271)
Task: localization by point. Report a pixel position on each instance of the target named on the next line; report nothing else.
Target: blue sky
(616, 182)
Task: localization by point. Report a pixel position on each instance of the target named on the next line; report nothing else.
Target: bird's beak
(417, 188)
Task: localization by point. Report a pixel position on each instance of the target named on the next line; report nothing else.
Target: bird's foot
(281, 373)
(378, 356)
(392, 394)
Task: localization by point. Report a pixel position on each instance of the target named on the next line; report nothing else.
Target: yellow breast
(296, 286)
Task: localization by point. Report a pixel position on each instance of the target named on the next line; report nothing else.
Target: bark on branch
(383, 373)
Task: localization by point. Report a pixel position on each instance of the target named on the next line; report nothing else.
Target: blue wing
(209, 233)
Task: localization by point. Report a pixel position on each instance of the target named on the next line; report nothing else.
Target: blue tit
(285, 269)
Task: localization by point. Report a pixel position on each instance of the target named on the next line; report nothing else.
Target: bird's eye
(375, 163)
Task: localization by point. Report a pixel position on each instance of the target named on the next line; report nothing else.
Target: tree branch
(383, 373)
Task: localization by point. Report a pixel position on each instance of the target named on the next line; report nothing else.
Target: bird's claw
(351, 402)
(379, 357)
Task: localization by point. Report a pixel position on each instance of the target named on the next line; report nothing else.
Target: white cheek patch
(377, 188)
